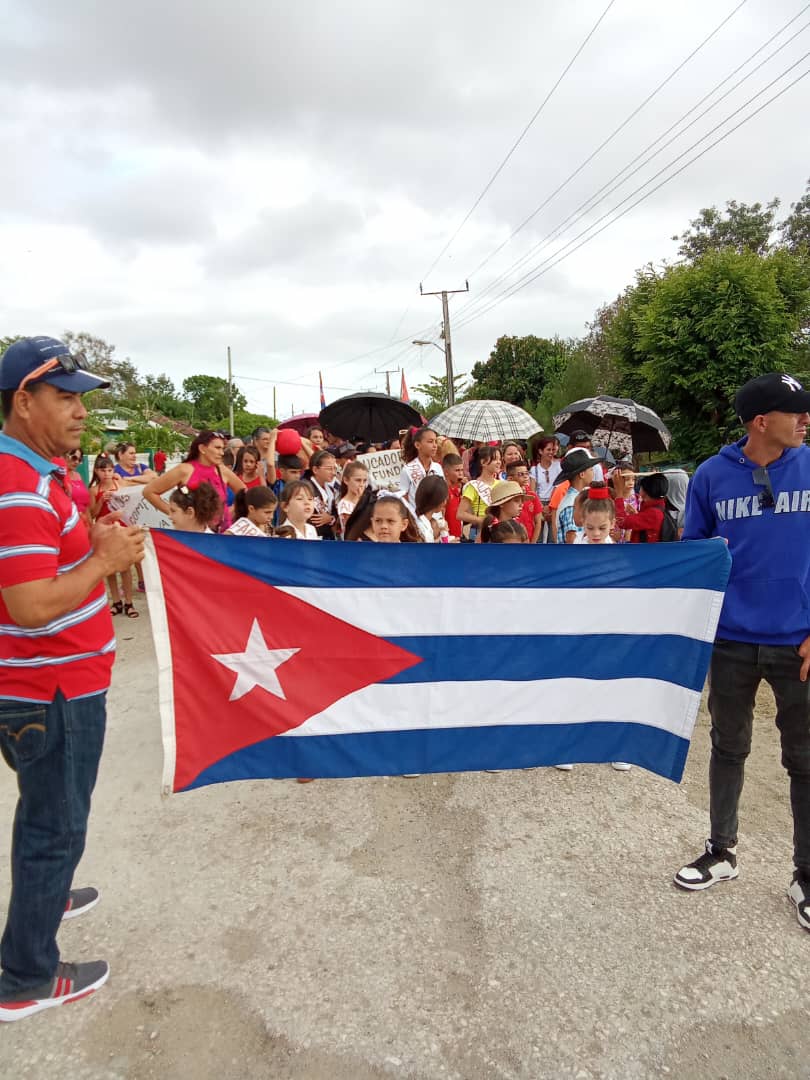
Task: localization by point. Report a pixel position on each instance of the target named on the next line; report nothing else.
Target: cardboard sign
(384, 468)
(135, 510)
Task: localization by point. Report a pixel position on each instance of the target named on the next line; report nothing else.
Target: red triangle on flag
(213, 611)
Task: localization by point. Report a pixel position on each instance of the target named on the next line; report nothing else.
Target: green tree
(245, 422)
(100, 359)
(519, 368)
(157, 395)
(794, 231)
(687, 338)
(579, 378)
(434, 393)
(5, 342)
(739, 227)
(151, 436)
(207, 395)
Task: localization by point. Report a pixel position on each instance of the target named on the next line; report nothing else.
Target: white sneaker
(621, 766)
(799, 893)
(564, 768)
(715, 864)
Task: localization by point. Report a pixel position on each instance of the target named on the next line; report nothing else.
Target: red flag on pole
(323, 399)
(403, 390)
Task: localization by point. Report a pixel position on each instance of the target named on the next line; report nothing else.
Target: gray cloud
(152, 133)
(313, 232)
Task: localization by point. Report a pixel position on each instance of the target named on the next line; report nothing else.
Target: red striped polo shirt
(42, 536)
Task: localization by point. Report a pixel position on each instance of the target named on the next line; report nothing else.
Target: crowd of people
(312, 487)
(279, 484)
(58, 642)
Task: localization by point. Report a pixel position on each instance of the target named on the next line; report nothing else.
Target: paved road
(519, 925)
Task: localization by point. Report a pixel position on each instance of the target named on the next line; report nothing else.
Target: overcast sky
(180, 177)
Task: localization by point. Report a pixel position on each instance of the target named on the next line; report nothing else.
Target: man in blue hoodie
(755, 494)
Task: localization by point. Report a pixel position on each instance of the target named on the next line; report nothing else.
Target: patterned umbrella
(620, 423)
(485, 421)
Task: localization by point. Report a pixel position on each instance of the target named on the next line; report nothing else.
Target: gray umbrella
(619, 423)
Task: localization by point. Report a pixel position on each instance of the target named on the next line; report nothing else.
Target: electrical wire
(610, 137)
(606, 190)
(520, 139)
(562, 254)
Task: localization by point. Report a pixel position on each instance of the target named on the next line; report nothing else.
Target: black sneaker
(717, 864)
(799, 893)
(70, 983)
(79, 901)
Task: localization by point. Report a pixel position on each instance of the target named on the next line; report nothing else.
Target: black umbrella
(373, 417)
(619, 423)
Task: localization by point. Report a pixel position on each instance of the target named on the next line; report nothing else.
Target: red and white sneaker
(72, 982)
(79, 901)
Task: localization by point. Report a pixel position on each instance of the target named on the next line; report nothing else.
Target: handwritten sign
(384, 468)
(135, 510)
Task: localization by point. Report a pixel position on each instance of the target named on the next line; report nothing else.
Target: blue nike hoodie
(768, 597)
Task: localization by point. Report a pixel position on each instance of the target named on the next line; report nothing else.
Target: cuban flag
(280, 658)
(320, 385)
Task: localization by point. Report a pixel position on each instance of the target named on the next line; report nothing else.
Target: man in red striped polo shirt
(56, 653)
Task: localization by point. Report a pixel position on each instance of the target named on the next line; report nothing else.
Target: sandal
(130, 612)
(117, 608)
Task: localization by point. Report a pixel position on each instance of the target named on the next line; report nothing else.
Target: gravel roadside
(517, 925)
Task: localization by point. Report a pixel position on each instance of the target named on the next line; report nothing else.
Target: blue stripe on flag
(519, 658)
(704, 564)
(451, 750)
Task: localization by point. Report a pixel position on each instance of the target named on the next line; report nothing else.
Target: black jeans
(736, 671)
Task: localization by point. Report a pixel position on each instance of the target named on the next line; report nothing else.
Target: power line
(606, 190)
(610, 137)
(281, 382)
(558, 256)
(520, 139)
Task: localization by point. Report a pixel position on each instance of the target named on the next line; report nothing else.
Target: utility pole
(387, 374)
(230, 394)
(448, 348)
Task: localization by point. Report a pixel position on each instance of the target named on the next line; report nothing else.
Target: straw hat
(503, 491)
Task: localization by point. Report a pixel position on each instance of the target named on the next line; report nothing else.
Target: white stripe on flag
(163, 648)
(409, 612)
(415, 706)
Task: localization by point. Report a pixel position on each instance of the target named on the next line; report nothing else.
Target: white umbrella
(485, 421)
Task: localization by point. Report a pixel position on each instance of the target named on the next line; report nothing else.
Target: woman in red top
(76, 486)
(247, 467)
(645, 525)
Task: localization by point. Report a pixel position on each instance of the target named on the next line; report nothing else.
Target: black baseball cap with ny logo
(773, 392)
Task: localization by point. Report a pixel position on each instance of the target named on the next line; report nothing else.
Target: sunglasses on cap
(69, 364)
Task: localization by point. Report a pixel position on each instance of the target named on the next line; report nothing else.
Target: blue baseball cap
(27, 355)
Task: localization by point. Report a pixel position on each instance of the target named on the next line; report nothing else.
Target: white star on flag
(256, 666)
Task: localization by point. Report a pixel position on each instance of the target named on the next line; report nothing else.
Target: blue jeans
(736, 671)
(55, 751)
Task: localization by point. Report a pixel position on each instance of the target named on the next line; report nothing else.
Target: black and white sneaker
(799, 893)
(716, 864)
